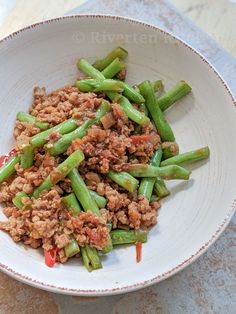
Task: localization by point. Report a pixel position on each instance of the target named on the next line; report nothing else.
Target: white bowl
(197, 211)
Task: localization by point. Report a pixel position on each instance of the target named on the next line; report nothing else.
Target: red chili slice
(139, 138)
(138, 251)
(50, 257)
(4, 159)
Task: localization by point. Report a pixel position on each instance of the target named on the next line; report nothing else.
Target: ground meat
(24, 129)
(90, 229)
(112, 144)
(92, 179)
(108, 120)
(54, 137)
(128, 210)
(62, 240)
(27, 180)
(63, 104)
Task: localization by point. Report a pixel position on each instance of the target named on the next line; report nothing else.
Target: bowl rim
(133, 287)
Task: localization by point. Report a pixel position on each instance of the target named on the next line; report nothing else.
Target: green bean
(73, 207)
(67, 126)
(113, 68)
(100, 200)
(147, 184)
(175, 93)
(160, 188)
(123, 179)
(154, 198)
(195, 155)
(27, 157)
(144, 109)
(82, 192)
(61, 172)
(84, 66)
(162, 126)
(169, 149)
(72, 248)
(128, 236)
(109, 226)
(97, 85)
(71, 203)
(132, 94)
(129, 110)
(117, 52)
(158, 86)
(168, 172)
(109, 246)
(25, 117)
(132, 113)
(17, 200)
(90, 258)
(8, 168)
(65, 141)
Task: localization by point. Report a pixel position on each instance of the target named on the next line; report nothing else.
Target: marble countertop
(209, 284)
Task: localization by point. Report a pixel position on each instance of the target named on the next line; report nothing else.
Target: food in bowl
(88, 168)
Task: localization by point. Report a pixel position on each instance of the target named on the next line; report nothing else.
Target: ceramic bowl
(191, 219)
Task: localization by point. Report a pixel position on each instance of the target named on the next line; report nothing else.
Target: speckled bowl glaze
(197, 211)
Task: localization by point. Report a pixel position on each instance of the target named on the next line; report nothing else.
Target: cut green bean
(27, 157)
(109, 246)
(169, 150)
(113, 68)
(129, 110)
(132, 94)
(82, 192)
(147, 184)
(17, 200)
(67, 126)
(72, 248)
(162, 126)
(93, 258)
(174, 94)
(192, 156)
(132, 113)
(96, 85)
(154, 198)
(65, 141)
(84, 66)
(172, 172)
(123, 179)
(128, 236)
(160, 188)
(117, 52)
(90, 258)
(71, 203)
(60, 172)
(25, 117)
(158, 86)
(8, 168)
(144, 109)
(100, 200)
(86, 260)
